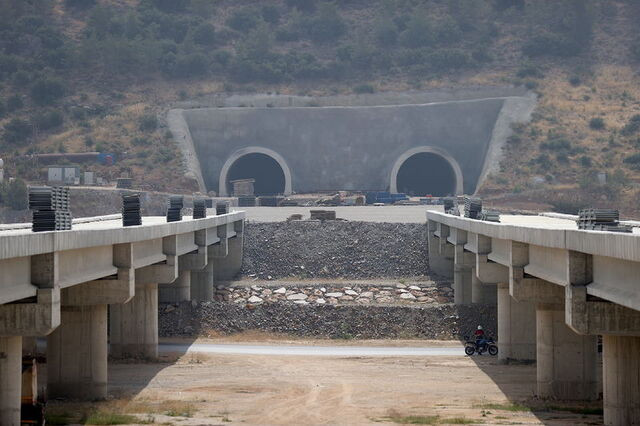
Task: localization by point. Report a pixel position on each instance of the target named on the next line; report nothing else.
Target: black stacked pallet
(450, 207)
(199, 208)
(131, 215)
(601, 220)
(222, 207)
(50, 208)
(174, 208)
(246, 201)
(472, 207)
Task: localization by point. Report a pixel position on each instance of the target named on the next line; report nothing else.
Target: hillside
(98, 75)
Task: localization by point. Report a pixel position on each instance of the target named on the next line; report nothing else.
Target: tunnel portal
(426, 173)
(269, 176)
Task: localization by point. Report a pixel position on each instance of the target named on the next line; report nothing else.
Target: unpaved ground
(232, 389)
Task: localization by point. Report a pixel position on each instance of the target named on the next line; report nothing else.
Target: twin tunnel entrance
(417, 172)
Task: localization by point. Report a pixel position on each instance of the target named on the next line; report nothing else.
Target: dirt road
(206, 389)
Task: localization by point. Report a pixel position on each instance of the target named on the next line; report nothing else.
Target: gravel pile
(327, 321)
(334, 249)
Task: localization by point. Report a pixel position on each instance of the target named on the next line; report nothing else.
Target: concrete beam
(110, 290)
(481, 293)
(32, 319)
(586, 316)
(164, 273)
(194, 261)
(490, 272)
(177, 291)
(528, 289)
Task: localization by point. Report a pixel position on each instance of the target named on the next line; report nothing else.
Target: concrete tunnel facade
(438, 148)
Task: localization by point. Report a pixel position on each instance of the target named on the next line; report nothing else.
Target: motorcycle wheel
(469, 350)
(493, 350)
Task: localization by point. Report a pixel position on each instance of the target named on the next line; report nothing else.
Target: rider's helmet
(479, 327)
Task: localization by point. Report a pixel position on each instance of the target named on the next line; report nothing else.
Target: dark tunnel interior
(426, 173)
(261, 167)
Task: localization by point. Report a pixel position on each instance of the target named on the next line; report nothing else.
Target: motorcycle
(471, 346)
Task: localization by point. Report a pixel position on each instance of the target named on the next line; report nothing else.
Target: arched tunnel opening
(426, 173)
(268, 175)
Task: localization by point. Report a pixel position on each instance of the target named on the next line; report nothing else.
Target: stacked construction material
(199, 208)
(174, 208)
(472, 207)
(131, 210)
(270, 201)
(490, 216)
(323, 215)
(449, 204)
(50, 208)
(222, 207)
(246, 201)
(601, 220)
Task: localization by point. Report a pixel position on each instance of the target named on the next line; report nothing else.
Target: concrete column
(77, 354)
(177, 291)
(462, 284)
(621, 376)
(228, 267)
(202, 284)
(134, 325)
(485, 294)
(10, 380)
(516, 327)
(567, 364)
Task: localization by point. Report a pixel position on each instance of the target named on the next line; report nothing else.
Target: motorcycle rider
(481, 340)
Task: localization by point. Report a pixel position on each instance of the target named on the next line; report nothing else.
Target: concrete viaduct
(557, 289)
(62, 284)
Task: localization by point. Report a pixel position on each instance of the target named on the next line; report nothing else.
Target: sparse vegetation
(597, 123)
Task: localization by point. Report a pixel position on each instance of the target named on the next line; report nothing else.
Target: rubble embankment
(443, 322)
(334, 249)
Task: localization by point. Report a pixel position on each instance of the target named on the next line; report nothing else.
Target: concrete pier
(567, 363)
(228, 265)
(10, 380)
(77, 354)
(485, 294)
(133, 325)
(202, 284)
(178, 291)
(621, 377)
(516, 328)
